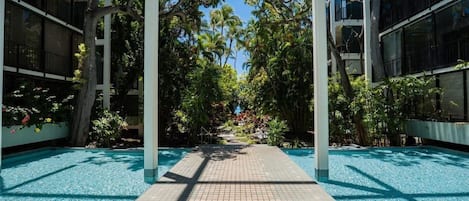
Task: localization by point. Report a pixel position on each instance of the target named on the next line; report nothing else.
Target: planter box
(457, 133)
(27, 134)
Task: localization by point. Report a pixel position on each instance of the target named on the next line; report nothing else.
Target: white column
(150, 91)
(107, 60)
(2, 39)
(367, 41)
(333, 33)
(321, 117)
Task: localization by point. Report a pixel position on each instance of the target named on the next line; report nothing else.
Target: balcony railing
(23, 56)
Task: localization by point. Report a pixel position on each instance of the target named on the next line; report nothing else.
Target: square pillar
(150, 91)
(107, 60)
(321, 115)
(367, 41)
(2, 42)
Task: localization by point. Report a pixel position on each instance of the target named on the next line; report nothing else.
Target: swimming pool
(78, 174)
(421, 173)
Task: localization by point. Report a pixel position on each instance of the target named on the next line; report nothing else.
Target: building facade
(41, 37)
(429, 37)
(345, 24)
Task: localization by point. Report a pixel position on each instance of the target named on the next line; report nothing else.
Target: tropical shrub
(107, 128)
(31, 105)
(276, 129)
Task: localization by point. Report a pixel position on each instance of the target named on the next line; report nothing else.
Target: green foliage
(185, 99)
(210, 96)
(394, 101)
(127, 55)
(32, 105)
(279, 43)
(384, 108)
(107, 128)
(340, 112)
(276, 130)
(77, 73)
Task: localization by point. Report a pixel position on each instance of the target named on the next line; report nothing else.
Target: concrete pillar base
(150, 175)
(321, 175)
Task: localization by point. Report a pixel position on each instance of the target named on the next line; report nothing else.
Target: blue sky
(243, 11)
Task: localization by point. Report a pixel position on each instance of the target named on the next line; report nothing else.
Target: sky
(243, 11)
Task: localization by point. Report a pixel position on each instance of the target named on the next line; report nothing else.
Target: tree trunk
(87, 94)
(379, 72)
(345, 81)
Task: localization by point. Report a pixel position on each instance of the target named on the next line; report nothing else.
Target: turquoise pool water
(392, 174)
(68, 174)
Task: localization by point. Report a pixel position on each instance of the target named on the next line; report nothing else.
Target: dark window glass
(452, 99)
(57, 50)
(59, 8)
(394, 11)
(100, 63)
(35, 3)
(78, 13)
(392, 53)
(452, 33)
(23, 34)
(338, 10)
(419, 46)
(348, 39)
(348, 9)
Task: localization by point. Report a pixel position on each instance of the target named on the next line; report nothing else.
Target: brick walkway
(236, 173)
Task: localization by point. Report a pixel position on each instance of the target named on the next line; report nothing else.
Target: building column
(333, 33)
(321, 116)
(150, 91)
(2, 41)
(367, 41)
(107, 60)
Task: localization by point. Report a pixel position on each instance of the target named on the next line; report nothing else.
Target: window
(100, 63)
(348, 39)
(60, 8)
(35, 3)
(452, 99)
(57, 49)
(452, 33)
(419, 46)
(78, 13)
(348, 9)
(392, 53)
(23, 36)
(394, 11)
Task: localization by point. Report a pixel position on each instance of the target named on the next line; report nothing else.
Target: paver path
(236, 173)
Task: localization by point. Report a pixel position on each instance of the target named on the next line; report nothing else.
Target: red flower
(25, 119)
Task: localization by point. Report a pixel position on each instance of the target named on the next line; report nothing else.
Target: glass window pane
(452, 32)
(419, 45)
(57, 49)
(452, 99)
(23, 34)
(392, 48)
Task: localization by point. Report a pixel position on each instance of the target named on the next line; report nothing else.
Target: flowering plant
(28, 106)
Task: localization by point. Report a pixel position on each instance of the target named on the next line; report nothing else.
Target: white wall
(457, 133)
(27, 134)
